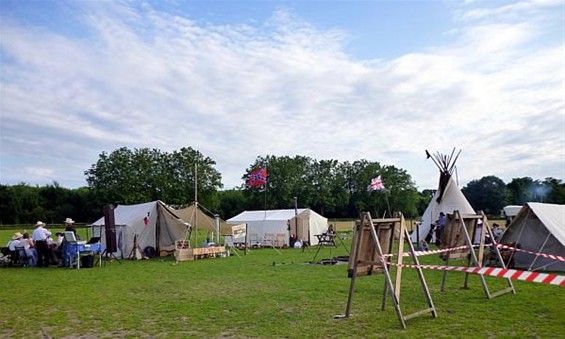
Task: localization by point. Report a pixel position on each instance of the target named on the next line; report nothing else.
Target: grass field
(264, 294)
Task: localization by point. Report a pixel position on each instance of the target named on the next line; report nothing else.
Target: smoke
(540, 192)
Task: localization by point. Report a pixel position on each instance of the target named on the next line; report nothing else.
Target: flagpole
(265, 201)
(387, 203)
(195, 205)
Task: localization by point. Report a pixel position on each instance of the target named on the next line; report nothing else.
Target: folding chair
(5, 256)
(18, 258)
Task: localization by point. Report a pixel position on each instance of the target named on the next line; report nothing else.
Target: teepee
(446, 199)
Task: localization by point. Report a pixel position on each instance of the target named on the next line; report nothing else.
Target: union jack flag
(257, 178)
(376, 184)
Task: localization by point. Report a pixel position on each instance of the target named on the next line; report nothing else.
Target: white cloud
(143, 78)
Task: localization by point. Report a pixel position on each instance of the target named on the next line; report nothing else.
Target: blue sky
(345, 80)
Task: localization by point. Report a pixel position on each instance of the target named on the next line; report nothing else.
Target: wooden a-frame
(371, 251)
(458, 232)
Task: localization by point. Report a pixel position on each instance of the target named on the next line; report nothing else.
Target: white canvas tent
(306, 224)
(153, 223)
(538, 228)
(510, 212)
(447, 198)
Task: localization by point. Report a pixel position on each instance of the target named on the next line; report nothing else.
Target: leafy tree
(521, 190)
(555, 191)
(328, 187)
(424, 199)
(489, 194)
(232, 202)
(134, 176)
(331, 188)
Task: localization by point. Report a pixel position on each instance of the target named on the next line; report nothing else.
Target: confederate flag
(257, 178)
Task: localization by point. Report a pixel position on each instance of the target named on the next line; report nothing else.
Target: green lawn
(262, 295)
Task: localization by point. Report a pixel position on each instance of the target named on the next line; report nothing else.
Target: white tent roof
(151, 223)
(265, 215)
(511, 210)
(306, 226)
(538, 228)
(553, 217)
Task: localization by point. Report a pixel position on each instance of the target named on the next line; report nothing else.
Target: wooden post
(371, 251)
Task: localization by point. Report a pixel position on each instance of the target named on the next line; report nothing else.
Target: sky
(345, 80)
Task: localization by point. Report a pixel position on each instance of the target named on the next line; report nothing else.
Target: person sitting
(330, 230)
(58, 253)
(29, 248)
(15, 241)
(497, 232)
(13, 245)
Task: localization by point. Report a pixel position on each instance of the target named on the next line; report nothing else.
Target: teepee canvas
(446, 199)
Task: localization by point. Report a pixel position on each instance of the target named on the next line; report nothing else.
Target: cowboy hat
(39, 223)
(17, 235)
(69, 221)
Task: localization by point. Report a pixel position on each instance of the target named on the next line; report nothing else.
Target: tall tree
(133, 176)
(521, 190)
(488, 194)
(555, 191)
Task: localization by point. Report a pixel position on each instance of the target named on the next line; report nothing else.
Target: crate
(183, 252)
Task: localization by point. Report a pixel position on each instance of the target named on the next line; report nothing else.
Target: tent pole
(195, 205)
(539, 251)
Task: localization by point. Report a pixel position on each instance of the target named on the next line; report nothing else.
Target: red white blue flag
(257, 178)
(376, 184)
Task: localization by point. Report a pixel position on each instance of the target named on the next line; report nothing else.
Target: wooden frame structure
(371, 252)
(459, 231)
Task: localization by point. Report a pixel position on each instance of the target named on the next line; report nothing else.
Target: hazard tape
(420, 253)
(545, 255)
(544, 278)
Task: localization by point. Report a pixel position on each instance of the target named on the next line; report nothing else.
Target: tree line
(332, 188)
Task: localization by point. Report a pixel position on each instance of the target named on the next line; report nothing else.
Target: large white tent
(538, 228)
(151, 224)
(303, 222)
(447, 198)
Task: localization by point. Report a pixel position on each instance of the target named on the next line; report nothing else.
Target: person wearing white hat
(69, 226)
(40, 235)
(15, 242)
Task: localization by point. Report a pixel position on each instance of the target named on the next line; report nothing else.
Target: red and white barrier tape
(544, 278)
(419, 253)
(545, 255)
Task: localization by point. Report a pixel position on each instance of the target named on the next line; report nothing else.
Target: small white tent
(306, 225)
(509, 212)
(446, 199)
(538, 228)
(152, 223)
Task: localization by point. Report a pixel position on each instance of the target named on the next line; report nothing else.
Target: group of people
(438, 229)
(41, 249)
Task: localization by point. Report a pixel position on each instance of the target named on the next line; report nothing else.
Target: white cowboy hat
(69, 221)
(39, 223)
(17, 235)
